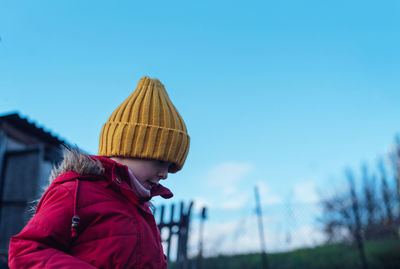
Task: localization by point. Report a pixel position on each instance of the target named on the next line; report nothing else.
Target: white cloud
(224, 182)
(227, 175)
(242, 236)
(233, 193)
(267, 197)
(305, 192)
(283, 231)
(199, 203)
(285, 228)
(235, 203)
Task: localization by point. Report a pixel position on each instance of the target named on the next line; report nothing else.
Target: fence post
(202, 219)
(261, 229)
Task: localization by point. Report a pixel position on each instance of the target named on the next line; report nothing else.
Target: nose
(163, 174)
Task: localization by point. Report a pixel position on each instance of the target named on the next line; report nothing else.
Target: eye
(164, 164)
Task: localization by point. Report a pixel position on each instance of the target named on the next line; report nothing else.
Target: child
(95, 213)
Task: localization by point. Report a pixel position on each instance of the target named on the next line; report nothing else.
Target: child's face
(147, 172)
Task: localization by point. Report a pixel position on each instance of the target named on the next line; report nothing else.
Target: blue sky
(284, 94)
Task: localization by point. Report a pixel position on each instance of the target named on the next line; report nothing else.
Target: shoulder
(67, 188)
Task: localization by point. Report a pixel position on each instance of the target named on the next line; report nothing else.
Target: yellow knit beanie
(148, 126)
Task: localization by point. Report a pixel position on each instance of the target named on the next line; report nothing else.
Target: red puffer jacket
(115, 229)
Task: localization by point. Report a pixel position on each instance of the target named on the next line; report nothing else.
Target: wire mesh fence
(296, 236)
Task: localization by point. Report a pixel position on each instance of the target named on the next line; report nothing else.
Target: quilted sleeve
(45, 239)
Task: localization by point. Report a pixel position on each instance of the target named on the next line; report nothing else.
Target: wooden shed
(27, 154)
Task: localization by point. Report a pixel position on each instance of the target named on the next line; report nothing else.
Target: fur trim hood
(77, 161)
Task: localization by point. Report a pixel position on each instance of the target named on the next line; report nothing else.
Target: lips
(151, 184)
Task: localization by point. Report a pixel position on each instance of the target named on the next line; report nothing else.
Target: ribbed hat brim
(145, 141)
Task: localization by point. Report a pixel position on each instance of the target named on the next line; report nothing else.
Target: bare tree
(336, 220)
(387, 195)
(395, 158)
(357, 232)
(370, 206)
(368, 212)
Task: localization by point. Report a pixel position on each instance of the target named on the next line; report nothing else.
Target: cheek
(138, 173)
(144, 175)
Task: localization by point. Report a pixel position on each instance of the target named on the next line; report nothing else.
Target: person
(95, 213)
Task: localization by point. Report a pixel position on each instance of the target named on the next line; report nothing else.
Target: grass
(380, 254)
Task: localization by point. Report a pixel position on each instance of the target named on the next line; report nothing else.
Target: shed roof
(25, 131)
